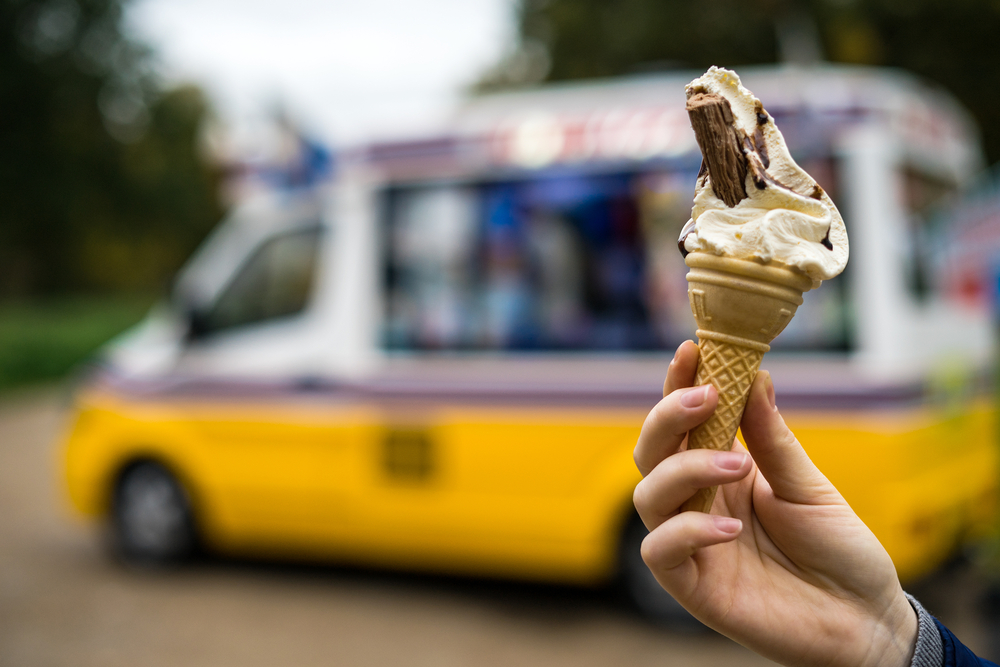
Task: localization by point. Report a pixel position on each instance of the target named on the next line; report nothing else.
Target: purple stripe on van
(410, 391)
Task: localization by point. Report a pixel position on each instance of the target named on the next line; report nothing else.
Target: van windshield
(565, 261)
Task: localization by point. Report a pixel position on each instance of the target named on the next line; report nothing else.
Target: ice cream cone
(740, 306)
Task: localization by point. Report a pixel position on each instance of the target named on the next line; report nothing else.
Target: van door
(271, 451)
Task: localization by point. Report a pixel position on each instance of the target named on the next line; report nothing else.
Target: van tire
(641, 589)
(151, 518)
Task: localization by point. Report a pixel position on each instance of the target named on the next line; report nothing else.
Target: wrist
(895, 636)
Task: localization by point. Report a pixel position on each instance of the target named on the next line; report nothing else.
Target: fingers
(668, 423)
(661, 493)
(787, 468)
(676, 540)
(682, 368)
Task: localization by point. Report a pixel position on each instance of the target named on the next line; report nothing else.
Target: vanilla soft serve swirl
(786, 219)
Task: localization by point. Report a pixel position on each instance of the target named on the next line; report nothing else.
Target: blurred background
(130, 129)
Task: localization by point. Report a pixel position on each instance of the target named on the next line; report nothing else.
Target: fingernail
(727, 524)
(729, 460)
(695, 397)
(676, 352)
(769, 388)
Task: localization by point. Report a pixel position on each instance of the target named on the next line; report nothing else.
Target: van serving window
(275, 282)
(564, 260)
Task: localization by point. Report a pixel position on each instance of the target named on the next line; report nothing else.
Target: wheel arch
(131, 458)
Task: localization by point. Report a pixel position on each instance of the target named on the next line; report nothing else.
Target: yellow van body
(509, 488)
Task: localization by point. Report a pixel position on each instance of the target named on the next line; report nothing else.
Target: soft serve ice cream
(786, 218)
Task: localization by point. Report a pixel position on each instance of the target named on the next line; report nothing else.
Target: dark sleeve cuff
(929, 651)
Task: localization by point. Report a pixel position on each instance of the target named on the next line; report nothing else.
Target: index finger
(681, 371)
(668, 423)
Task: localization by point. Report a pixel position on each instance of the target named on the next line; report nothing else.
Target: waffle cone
(740, 306)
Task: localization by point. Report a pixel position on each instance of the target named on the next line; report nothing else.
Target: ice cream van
(440, 359)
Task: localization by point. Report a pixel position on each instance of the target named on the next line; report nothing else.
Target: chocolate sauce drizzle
(686, 231)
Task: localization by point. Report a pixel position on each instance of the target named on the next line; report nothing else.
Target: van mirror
(197, 323)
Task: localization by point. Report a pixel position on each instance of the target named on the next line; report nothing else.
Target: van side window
(275, 282)
(563, 261)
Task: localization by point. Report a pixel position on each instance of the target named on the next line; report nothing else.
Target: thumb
(785, 465)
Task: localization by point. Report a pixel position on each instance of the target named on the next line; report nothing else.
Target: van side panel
(516, 491)
(527, 491)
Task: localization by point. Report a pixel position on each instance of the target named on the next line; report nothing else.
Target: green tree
(101, 182)
(951, 42)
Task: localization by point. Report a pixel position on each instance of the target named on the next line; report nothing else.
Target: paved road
(64, 602)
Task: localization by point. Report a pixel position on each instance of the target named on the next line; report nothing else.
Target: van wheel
(151, 516)
(640, 587)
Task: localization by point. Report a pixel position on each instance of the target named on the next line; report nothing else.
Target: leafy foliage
(102, 186)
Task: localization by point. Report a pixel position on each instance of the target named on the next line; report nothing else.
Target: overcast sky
(344, 69)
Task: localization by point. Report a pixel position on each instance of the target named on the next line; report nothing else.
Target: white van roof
(642, 118)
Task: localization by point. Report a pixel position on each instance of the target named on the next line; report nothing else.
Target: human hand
(782, 564)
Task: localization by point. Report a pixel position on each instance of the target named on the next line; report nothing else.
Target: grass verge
(44, 339)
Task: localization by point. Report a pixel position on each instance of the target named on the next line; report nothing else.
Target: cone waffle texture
(740, 307)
